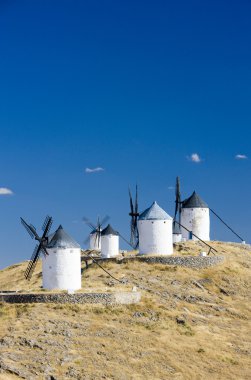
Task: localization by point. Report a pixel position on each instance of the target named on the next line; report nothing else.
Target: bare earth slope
(190, 324)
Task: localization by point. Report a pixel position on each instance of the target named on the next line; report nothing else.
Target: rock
(181, 320)
(223, 291)
(29, 342)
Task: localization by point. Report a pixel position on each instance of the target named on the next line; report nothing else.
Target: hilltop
(190, 324)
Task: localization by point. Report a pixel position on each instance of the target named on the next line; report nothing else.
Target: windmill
(194, 218)
(95, 235)
(40, 247)
(134, 214)
(155, 231)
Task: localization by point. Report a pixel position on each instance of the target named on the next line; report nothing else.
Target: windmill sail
(134, 214)
(96, 229)
(33, 262)
(177, 199)
(176, 223)
(41, 247)
(29, 228)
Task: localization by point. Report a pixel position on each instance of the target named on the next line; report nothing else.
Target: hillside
(190, 324)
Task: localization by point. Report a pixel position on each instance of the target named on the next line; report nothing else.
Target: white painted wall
(155, 237)
(177, 238)
(109, 246)
(62, 269)
(95, 242)
(196, 220)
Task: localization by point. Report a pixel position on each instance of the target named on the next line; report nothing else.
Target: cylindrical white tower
(177, 235)
(109, 243)
(195, 217)
(95, 240)
(155, 232)
(61, 268)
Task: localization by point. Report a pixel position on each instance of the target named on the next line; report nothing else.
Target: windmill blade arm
(131, 202)
(96, 237)
(30, 229)
(136, 244)
(47, 225)
(99, 237)
(177, 198)
(136, 201)
(89, 223)
(45, 222)
(104, 220)
(134, 232)
(33, 262)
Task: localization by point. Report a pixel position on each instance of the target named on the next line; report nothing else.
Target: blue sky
(134, 87)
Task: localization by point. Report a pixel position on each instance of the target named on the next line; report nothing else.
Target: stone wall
(196, 262)
(78, 298)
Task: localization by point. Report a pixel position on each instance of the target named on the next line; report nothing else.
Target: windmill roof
(60, 239)
(109, 231)
(194, 201)
(176, 228)
(154, 212)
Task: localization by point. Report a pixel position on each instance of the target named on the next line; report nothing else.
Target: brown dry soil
(190, 324)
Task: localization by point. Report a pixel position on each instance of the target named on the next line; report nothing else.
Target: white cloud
(5, 191)
(241, 157)
(94, 170)
(195, 158)
(171, 187)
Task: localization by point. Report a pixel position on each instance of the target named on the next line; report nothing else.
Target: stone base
(117, 298)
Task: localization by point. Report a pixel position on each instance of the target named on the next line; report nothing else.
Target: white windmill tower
(195, 217)
(155, 231)
(61, 260)
(109, 242)
(62, 265)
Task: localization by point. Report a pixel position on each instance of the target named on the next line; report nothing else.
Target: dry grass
(189, 325)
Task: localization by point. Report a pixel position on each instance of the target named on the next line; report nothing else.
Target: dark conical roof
(194, 201)
(176, 228)
(109, 231)
(60, 239)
